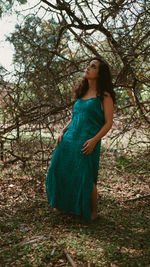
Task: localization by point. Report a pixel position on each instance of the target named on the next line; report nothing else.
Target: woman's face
(91, 72)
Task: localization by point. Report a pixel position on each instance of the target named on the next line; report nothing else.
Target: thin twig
(73, 264)
(53, 251)
(136, 198)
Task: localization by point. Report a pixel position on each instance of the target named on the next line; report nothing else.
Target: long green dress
(71, 174)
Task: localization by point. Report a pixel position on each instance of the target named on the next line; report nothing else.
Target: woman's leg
(55, 209)
(94, 203)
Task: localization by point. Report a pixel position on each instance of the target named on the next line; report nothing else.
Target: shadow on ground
(120, 235)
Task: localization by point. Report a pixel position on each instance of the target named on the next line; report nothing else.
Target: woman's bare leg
(94, 203)
(55, 209)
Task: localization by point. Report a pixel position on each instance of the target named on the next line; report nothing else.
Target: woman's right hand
(59, 138)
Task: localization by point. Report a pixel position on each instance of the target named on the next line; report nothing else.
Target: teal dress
(71, 174)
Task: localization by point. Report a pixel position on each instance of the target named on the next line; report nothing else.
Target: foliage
(6, 5)
(51, 53)
(38, 67)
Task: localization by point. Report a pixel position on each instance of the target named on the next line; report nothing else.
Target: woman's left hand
(89, 146)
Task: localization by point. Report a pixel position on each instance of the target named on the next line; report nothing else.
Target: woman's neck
(92, 88)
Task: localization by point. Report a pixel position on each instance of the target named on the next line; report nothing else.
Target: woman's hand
(89, 146)
(59, 138)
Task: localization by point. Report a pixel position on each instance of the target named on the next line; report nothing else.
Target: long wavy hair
(104, 82)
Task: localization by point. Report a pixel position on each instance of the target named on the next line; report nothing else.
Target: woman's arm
(108, 114)
(62, 133)
(65, 128)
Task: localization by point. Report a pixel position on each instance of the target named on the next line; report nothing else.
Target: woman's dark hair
(104, 82)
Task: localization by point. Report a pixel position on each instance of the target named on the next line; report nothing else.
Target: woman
(72, 176)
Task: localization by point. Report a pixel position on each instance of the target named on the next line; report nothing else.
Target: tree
(125, 26)
(6, 5)
(40, 90)
(51, 54)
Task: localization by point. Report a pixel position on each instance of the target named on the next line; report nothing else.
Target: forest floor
(33, 235)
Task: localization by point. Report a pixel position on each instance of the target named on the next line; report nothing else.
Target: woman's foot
(55, 210)
(94, 216)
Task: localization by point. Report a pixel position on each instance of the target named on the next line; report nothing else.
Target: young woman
(72, 175)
